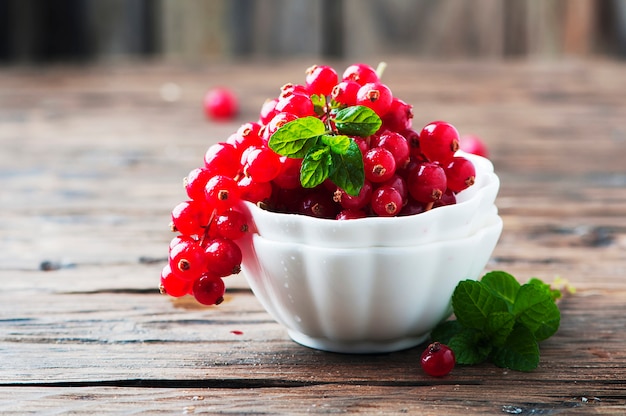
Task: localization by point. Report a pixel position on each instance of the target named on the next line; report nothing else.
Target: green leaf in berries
(295, 138)
(316, 166)
(338, 144)
(357, 120)
(348, 173)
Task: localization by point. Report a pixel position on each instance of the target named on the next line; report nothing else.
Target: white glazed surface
(364, 300)
(473, 206)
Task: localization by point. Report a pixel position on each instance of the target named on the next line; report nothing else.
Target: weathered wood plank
(92, 161)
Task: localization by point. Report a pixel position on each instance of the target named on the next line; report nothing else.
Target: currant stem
(205, 236)
(380, 69)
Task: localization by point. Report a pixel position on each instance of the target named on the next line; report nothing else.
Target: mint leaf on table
(536, 310)
(498, 319)
(520, 352)
(502, 284)
(554, 293)
(477, 303)
(357, 120)
(471, 346)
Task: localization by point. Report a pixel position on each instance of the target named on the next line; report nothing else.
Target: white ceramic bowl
(473, 206)
(366, 299)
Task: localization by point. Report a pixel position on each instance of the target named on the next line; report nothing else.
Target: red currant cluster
(406, 171)
(402, 171)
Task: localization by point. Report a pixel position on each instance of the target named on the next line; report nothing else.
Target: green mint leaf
(338, 144)
(319, 104)
(554, 293)
(348, 172)
(357, 121)
(499, 327)
(316, 166)
(536, 310)
(520, 352)
(445, 331)
(502, 285)
(294, 139)
(473, 303)
(469, 347)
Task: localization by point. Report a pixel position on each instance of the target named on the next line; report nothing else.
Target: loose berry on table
(437, 360)
(220, 104)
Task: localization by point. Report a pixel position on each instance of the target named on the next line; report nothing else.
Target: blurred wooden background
(53, 30)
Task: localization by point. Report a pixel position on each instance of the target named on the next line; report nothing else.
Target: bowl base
(356, 347)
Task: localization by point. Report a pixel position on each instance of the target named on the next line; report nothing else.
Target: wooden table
(91, 163)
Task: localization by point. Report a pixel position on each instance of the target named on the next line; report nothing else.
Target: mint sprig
(326, 150)
(498, 319)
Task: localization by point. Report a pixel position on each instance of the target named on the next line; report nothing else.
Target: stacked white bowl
(374, 284)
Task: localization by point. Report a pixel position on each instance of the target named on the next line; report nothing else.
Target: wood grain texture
(92, 160)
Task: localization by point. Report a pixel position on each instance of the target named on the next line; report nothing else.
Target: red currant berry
(360, 73)
(195, 182)
(279, 120)
(398, 182)
(448, 198)
(289, 176)
(427, 182)
(345, 92)
(187, 260)
(223, 159)
(379, 164)
(180, 239)
(296, 104)
(376, 96)
(220, 104)
(190, 217)
(320, 79)
(319, 205)
(399, 117)
(248, 135)
(474, 145)
(460, 173)
(412, 207)
(437, 360)
(173, 285)
(268, 111)
(386, 201)
(223, 257)
(222, 192)
(209, 289)
(354, 202)
(413, 137)
(253, 191)
(262, 164)
(362, 143)
(397, 145)
(287, 200)
(290, 88)
(350, 214)
(231, 224)
(439, 141)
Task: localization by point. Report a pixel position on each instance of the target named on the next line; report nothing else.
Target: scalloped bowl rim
(289, 227)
